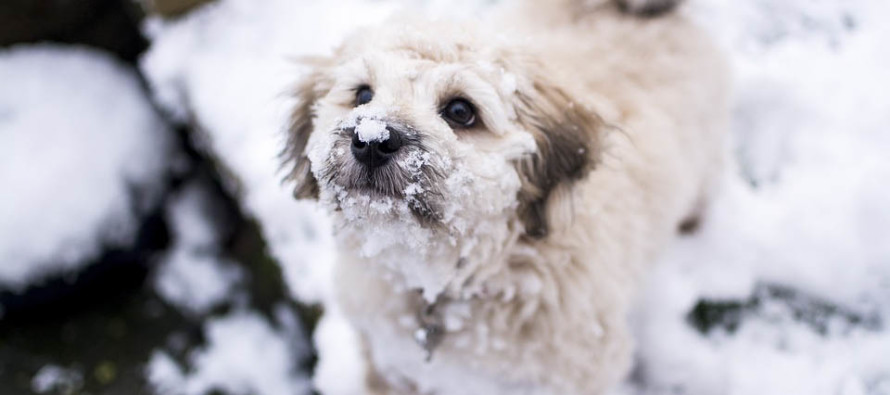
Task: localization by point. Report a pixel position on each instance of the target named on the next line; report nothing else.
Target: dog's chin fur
(522, 238)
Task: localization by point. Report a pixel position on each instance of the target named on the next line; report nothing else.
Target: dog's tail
(646, 8)
(575, 9)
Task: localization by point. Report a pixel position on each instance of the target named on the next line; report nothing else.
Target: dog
(498, 192)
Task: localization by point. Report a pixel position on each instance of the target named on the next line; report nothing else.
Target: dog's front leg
(376, 383)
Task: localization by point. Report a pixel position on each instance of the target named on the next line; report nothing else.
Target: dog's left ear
(569, 141)
(311, 88)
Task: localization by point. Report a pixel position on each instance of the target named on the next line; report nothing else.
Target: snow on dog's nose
(374, 142)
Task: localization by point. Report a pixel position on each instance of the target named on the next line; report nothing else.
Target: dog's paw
(648, 8)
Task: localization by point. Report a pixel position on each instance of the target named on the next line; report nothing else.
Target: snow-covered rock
(83, 157)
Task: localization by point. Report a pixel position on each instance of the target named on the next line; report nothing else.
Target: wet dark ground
(107, 342)
(104, 323)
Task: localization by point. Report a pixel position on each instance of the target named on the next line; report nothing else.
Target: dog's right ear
(568, 136)
(311, 88)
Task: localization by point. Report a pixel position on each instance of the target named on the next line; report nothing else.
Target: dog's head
(438, 130)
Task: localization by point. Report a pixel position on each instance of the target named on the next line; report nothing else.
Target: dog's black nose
(376, 153)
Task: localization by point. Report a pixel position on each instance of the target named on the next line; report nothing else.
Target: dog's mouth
(381, 182)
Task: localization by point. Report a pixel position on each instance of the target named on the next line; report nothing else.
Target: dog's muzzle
(388, 160)
(377, 147)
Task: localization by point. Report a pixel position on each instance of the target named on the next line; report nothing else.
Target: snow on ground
(194, 276)
(244, 356)
(795, 247)
(82, 158)
(56, 379)
(341, 367)
(812, 132)
(246, 352)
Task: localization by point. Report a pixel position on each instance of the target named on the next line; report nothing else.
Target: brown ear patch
(308, 91)
(568, 138)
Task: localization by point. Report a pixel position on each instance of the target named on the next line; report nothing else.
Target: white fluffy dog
(497, 199)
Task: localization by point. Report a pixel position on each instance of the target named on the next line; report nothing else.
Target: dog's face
(438, 138)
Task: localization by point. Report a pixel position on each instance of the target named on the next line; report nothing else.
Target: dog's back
(662, 88)
(653, 76)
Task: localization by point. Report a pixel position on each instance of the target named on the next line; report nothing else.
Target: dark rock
(115, 271)
(112, 25)
(815, 312)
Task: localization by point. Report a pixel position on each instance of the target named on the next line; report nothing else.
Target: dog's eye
(363, 95)
(460, 113)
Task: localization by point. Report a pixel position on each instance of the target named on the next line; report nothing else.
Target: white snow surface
(230, 66)
(806, 208)
(82, 157)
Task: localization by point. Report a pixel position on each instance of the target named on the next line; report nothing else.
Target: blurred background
(148, 245)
